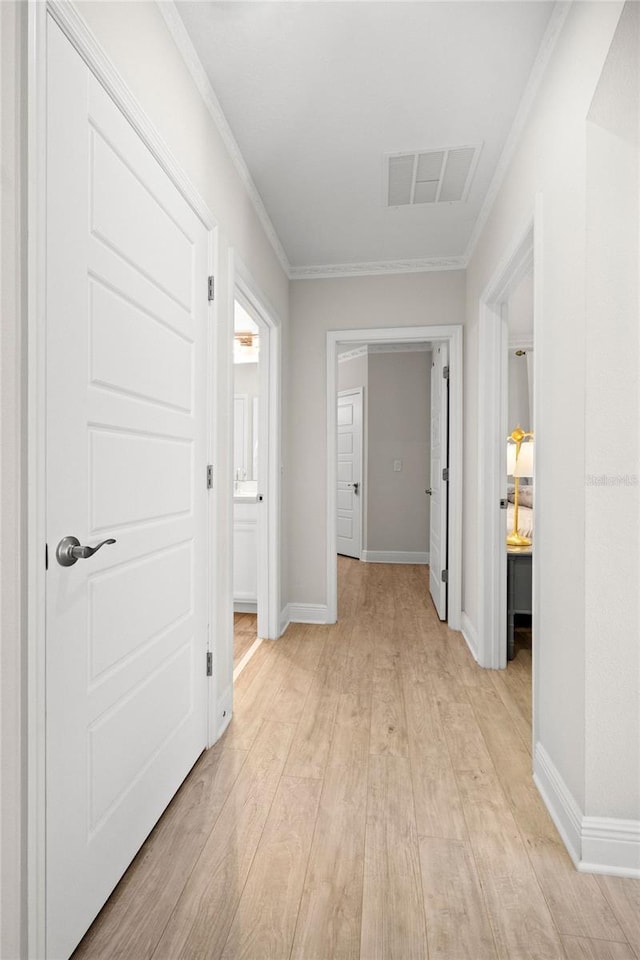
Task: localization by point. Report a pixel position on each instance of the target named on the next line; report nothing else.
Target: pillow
(525, 496)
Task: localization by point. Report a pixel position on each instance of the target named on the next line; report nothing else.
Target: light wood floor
(245, 632)
(372, 798)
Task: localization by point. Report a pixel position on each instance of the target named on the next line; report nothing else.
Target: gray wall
(317, 306)
(399, 428)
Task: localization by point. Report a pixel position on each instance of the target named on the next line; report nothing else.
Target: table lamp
(519, 464)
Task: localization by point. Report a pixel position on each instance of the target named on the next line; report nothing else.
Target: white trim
(182, 40)
(376, 268)
(353, 354)
(85, 43)
(453, 334)
(308, 613)
(245, 606)
(369, 348)
(468, 631)
(596, 844)
(394, 556)
(285, 619)
(237, 670)
(559, 800)
(543, 57)
(611, 846)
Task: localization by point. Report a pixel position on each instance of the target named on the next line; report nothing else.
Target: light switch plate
(397, 466)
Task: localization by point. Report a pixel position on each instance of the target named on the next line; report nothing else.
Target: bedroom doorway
(507, 400)
(414, 343)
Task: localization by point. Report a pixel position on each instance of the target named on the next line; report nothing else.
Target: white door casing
(349, 477)
(439, 492)
(126, 630)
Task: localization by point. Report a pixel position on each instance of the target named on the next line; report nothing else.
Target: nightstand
(518, 589)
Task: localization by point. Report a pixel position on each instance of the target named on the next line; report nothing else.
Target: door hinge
(444, 576)
(445, 473)
(445, 373)
(209, 476)
(211, 288)
(46, 556)
(209, 663)
(504, 503)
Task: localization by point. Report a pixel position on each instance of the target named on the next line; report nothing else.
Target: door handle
(69, 550)
(355, 487)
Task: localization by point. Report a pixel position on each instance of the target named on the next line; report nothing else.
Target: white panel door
(349, 497)
(126, 629)
(439, 462)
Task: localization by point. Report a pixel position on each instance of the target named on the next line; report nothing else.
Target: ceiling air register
(431, 176)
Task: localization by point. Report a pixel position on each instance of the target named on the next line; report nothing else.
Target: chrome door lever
(70, 550)
(355, 487)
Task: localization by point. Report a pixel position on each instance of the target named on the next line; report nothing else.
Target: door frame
(84, 42)
(358, 391)
(242, 287)
(453, 335)
(522, 255)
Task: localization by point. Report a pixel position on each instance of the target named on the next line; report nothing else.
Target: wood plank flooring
(372, 798)
(245, 632)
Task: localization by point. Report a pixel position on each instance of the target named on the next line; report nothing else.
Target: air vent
(431, 176)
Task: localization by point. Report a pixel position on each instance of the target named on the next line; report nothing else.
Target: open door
(438, 573)
(349, 494)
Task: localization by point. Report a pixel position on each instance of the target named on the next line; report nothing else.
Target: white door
(350, 473)
(126, 459)
(439, 463)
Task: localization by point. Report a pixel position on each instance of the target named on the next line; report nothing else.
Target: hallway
(372, 798)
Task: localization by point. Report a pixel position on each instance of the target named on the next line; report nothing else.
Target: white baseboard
(245, 606)
(394, 556)
(308, 613)
(285, 619)
(611, 846)
(595, 844)
(468, 631)
(565, 812)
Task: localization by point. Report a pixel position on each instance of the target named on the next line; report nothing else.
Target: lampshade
(523, 467)
(524, 463)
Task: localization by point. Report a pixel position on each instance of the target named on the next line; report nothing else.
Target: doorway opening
(363, 487)
(254, 399)
(507, 400)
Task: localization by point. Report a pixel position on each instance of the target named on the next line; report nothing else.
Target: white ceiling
(317, 93)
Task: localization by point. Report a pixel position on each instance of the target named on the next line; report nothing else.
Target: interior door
(439, 485)
(126, 629)
(349, 498)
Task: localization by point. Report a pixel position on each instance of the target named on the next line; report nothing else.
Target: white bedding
(525, 520)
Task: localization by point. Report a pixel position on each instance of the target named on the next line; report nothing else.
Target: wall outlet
(397, 466)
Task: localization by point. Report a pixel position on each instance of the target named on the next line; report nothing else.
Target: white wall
(612, 434)
(518, 404)
(399, 429)
(246, 384)
(317, 306)
(136, 39)
(12, 476)
(551, 163)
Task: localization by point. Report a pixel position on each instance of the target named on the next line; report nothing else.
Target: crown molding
(353, 354)
(369, 348)
(374, 268)
(183, 42)
(547, 46)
